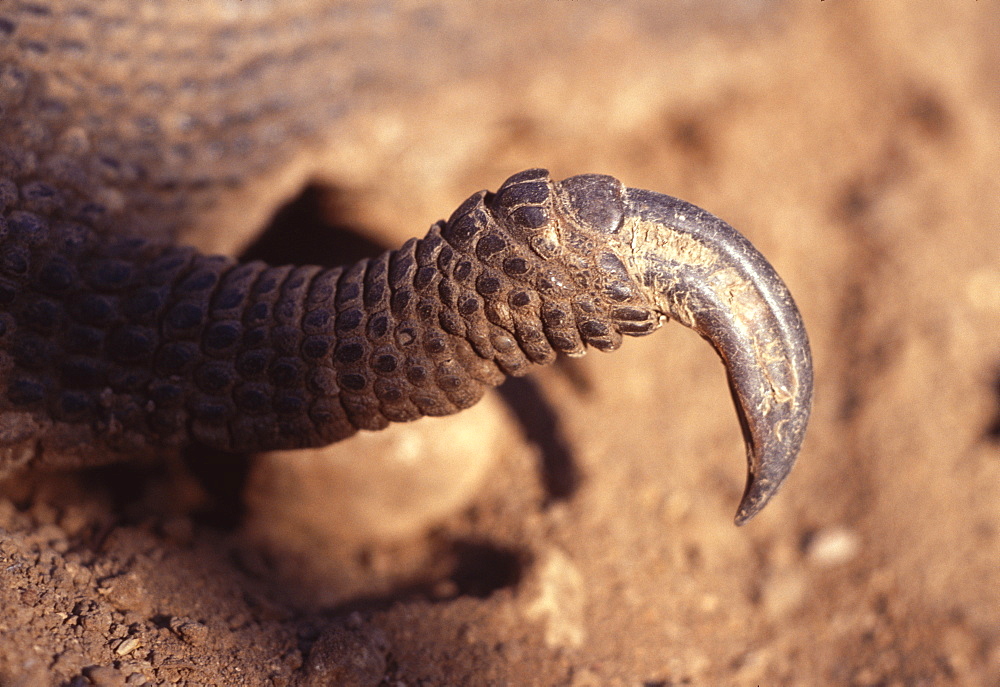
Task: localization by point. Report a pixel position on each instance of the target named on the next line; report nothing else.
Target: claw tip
(763, 480)
(753, 501)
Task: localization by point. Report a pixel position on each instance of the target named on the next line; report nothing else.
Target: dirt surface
(576, 528)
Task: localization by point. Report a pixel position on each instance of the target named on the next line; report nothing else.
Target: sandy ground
(576, 527)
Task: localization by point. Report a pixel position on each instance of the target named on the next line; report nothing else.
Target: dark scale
(58, 276)
(290, 402)
(268, 285)
(316, 348)
(145, 305)
(469, 305)
(72, 240)
(286, 372)
(15, 260)
(446, 254)
(401, 266)
(285, 339)
(132, 344)
(9, 290)
(254, 397)
(349, 320)
(432, 401)
(203, 278)
(322, 290)
(375, 288)
(319, 321)
(128, 382)
(462, 270)
(350, 309)
(164, 269)
(184, 320)
(530, 217)
(446, 293)
(177, 358)
(489, 245)
(290, 306)
(93, 309)
(400, 300)
(210, 408)
(464, 224)
(27, 228)
(109, 275)
(32, 351)
(533, 341)
(451, 322)
(166, 394)
(379, 325)
(424, 278)
(348, 352)
(234, 289)
(40, 197)
(395, 405)
(45, 316)
(221, 339)
(385, 361)
(26, 391)
(348, 291)
(215, 377)
(259, 336)
(362, 410)
(520, 299)
(556, 316)
(488, 284)
(257, 315)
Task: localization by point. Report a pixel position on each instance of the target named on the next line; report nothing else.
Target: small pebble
(833, 546)
(127, 646)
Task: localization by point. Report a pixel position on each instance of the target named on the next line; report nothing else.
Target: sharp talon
(698, 270)
(707, 276)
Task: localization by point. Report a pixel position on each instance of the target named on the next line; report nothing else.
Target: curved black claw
(698, 270)
(708, 277)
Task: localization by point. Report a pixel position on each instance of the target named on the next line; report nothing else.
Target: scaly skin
(115, 340)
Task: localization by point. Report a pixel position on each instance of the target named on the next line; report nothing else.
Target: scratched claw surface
(703, 273)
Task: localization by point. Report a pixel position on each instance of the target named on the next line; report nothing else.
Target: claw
(700, 271)
(707, 276)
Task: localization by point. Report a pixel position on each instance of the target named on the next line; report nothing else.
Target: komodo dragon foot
(124, 343)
